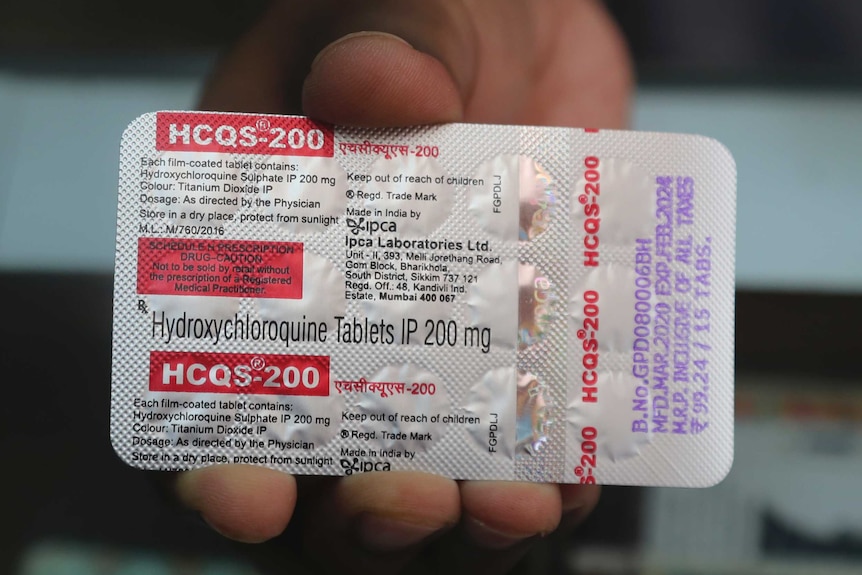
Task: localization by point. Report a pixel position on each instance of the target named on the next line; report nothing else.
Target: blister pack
(476, 301)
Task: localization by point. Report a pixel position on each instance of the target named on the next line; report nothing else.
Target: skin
(395, 63)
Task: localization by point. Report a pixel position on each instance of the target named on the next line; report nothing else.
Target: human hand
(540, 62)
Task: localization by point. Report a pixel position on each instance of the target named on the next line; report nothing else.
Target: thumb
(351, 62)
(378, 79)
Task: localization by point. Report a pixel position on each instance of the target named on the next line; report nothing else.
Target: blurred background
(778, 81)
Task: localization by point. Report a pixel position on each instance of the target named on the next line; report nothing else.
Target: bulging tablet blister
(476, 301)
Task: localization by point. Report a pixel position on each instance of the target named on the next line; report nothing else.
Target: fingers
(375, 520)
(547, 62)
(500, 514)
(245, 503)
(383, 521)
(500, 521)
(380, 521)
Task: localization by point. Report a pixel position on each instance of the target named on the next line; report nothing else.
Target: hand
(541, 62)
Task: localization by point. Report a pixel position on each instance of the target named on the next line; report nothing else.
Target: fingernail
(490, 538)
(383, 534)
(385, 36)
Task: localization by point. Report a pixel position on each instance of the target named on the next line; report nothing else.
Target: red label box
(247, 373)
(221, 268)
(242, 134)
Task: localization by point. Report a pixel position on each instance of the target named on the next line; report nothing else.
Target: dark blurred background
(778, 81)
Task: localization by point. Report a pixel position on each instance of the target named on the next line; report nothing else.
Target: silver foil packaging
(476, 301)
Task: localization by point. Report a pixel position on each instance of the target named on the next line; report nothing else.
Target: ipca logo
(355, 226)
(370, 227)
(355, 466)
